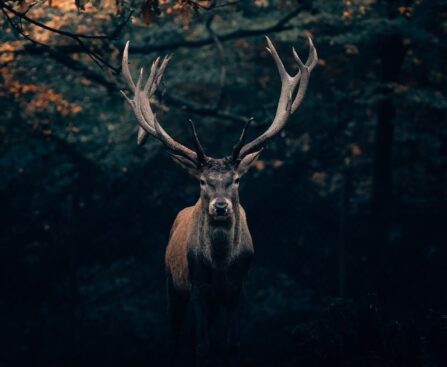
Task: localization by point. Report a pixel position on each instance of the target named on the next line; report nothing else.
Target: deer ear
(247, 162)
(186, 164)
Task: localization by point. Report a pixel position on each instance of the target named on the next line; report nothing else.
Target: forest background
(347, 207)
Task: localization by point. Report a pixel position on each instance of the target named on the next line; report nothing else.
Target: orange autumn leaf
(41, 98)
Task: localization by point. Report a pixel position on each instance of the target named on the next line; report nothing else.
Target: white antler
(286, 104)
(147, 120)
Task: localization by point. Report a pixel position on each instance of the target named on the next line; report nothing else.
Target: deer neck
(219, 240)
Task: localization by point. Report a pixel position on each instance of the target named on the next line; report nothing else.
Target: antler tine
(279, 64)
(286, 103)
(160, 73)
(145, 107)
(172, 145)
(305, 70)
(143, 127)
(237, 148)
(140, 104)
(149, 89)
(199, 149)
(313, 55)
(136, 106)
(125, 68)
(152, 76)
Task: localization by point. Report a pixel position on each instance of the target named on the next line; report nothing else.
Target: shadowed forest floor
(284, 324)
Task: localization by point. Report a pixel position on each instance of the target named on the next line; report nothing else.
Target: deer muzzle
(220, 208)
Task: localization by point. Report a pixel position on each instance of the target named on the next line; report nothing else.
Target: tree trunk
(391, 55)
(344, 226)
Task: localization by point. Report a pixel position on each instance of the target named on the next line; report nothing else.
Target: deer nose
(221, 206)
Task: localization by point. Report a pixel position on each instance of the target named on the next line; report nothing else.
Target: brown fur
(176, 259)
(207, 260)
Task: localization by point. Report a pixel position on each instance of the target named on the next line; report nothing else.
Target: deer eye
(202, 182)
(236, 180)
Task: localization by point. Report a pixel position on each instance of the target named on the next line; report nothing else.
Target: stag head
(219, 178)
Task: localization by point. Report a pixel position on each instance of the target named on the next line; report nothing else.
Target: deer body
(207, 259)
(195, 238)
(210, 247)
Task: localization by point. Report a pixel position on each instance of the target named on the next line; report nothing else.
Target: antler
(147, 120)
(237, 148)
(286, 104)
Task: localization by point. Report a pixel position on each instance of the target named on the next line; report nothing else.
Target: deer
(210, 248)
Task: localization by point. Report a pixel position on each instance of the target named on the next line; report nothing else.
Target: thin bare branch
(280, 25)
(23, 16)
(79, 38)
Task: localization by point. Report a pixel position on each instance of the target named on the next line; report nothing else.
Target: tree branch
(199, 109)
(174, 101)
(59, 54)
(279, 26)
(23, 16)
(79, 38)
